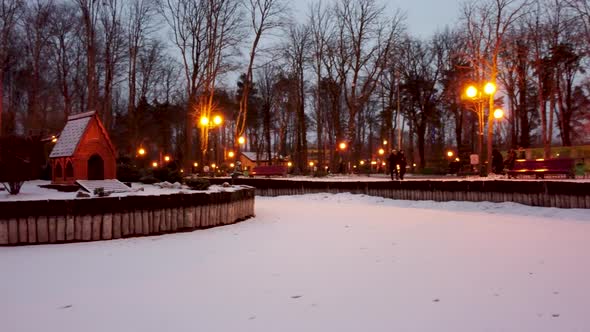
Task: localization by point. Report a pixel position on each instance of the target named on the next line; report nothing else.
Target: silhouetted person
(401, 163)
(510, 159)
(497, 162)
(392, 161)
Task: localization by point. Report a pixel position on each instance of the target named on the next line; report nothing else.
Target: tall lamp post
(342, 146)
(479, 96)
(206, 125)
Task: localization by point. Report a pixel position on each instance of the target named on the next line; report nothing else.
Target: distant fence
(93, 219)
(560, 194)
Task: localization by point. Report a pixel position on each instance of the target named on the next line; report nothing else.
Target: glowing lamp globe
(489, 88)
(499, 113)
(471, 92)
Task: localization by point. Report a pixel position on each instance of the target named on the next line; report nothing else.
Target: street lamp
(479, 97)
(498, 114)
(450, 154)
(381, 152)
(207, 124)
(342, 146)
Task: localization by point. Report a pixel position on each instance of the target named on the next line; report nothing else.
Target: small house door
(95, 168)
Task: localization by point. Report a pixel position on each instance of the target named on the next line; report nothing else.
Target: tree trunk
(1, 98)
(421, 133)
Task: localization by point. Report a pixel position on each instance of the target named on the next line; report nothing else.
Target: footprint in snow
(436, 300)
(66, 306)
(252, 318)
(555, 315)
(296, 296)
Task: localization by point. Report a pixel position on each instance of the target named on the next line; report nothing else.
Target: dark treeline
(349, 72)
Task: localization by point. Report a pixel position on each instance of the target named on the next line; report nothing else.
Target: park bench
(269, 170)
(540, 167)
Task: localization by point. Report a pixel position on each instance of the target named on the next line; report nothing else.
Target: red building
(83, 151)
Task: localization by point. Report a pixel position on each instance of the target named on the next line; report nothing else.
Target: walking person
(401, 164)
(497, 162)
(392, 161)
(510, 159)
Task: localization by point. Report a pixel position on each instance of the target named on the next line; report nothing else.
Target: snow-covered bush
(15, 162)
(196, 183)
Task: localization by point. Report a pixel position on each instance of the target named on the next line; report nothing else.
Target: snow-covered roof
(71, 135)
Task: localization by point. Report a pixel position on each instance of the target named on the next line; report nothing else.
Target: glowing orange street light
(166, 158)
(230, 154)
(204, 121)
(241, 140)
(217, 120)
(154, 164)
(471, 91)
(141, 152)
(381, 152)
(342, 146)
(384, 142)
(362, 162)
(489, 88)
(498, 114)
(450, 154)
(289, 164)
(311, 163)
(232, 165)
(213, 166)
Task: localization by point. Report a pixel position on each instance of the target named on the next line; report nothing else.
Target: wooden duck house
(83, 151)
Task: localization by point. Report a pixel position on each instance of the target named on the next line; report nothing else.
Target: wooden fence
(560, 194)
(93, 219)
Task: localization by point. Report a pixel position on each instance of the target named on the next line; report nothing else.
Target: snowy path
(318, 263)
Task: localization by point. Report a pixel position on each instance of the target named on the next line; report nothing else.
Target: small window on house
(58, 171)
(69, 170)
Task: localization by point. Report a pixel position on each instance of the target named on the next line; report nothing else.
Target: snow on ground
(318, 263)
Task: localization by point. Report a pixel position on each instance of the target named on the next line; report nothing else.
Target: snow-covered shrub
(196, 183)
(15, 162)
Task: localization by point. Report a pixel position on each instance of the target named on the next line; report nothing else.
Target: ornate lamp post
(206, 125)
(479, 97)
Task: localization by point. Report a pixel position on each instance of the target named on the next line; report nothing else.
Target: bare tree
(113, 53)
(264, 16)
(486, 23)
(320, 25)
(203, 31)
(89, 10)
(367, 37)
(140, 25)
(10, 11)
(63, 45)
(36, 31)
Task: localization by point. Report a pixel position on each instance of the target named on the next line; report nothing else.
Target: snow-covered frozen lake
(318, 263)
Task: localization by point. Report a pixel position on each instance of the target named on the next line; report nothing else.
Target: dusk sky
(423, 17)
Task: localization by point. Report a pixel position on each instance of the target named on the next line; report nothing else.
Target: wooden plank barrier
(106, 218)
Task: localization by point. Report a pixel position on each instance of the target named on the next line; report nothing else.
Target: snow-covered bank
(318, 263)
